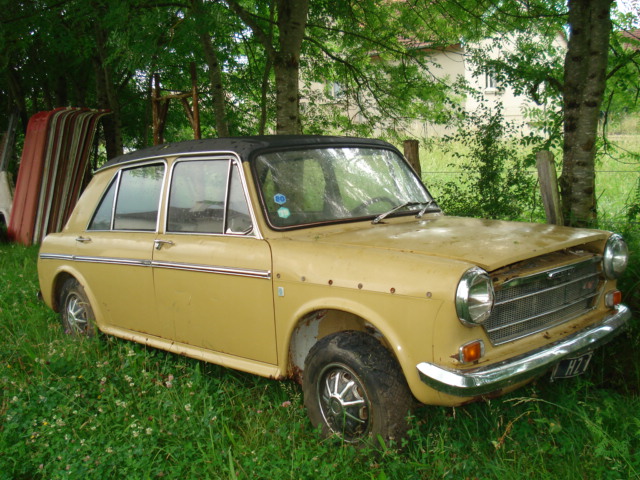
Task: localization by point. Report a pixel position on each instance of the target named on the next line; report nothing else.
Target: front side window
(332, 184)
(207, 196)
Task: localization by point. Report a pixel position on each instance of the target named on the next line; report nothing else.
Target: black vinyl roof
(245, 147)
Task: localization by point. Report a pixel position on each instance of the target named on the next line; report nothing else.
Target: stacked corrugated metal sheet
(53, 165)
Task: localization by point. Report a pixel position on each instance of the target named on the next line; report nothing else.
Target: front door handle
(82, 239)
(158, 243)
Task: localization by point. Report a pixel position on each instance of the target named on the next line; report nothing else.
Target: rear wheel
(354, 389)
(76, 312)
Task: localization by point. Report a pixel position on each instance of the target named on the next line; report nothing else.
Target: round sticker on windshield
(283, 212)
(280, 199)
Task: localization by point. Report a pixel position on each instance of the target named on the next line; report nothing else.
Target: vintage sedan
(326, 260)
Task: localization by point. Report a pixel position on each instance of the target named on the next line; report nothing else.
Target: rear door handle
(83, 239)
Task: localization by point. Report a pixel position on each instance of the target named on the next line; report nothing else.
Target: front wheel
(76, 312)
(354, 389)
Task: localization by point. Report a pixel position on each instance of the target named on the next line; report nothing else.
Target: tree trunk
(292, 21)
(217, 88)
(264, 92)
(584, 84)
(107, 95)
(215, 71)
(16, 95)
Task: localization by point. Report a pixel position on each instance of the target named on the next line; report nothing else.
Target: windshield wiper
(431, 203)
(384, 215)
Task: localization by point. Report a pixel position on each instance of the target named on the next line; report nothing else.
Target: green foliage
(495, 183)
(374, 58)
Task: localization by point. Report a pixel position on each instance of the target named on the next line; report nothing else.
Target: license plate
(571, 367)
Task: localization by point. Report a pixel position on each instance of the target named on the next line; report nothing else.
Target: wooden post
(160, 107)
(196, 108)
(549, 187)
(412, 152)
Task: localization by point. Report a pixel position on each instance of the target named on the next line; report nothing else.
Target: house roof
(245, 147)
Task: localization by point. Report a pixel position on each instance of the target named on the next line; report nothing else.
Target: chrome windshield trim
(132, 262)
(490, 378)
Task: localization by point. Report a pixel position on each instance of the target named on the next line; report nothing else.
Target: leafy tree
(577, 87)
(283, 52)
(260, 63)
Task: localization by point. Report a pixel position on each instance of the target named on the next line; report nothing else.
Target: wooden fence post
(549, 187)
(412, 152)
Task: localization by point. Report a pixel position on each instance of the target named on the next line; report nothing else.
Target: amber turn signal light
(613, 298)
(472, 351)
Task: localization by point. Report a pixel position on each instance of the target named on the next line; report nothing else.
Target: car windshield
(331, 184)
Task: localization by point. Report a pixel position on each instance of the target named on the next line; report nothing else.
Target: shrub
(495, 183)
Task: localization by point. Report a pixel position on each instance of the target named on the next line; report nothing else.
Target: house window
(490, 82)
(336, 90)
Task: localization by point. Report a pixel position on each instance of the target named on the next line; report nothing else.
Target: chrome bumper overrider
(481, 380)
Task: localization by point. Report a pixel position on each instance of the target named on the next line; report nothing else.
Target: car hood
(489, 244)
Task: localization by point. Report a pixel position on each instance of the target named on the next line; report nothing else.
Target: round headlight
(616, 257)
(474, 297)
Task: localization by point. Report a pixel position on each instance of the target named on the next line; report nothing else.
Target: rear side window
(132, 201)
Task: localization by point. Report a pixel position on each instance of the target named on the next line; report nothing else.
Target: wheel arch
(316, 323)
(59, 279)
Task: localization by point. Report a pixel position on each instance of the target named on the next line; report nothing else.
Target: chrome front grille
(530, 304)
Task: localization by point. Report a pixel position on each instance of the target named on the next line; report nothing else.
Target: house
(451, 64)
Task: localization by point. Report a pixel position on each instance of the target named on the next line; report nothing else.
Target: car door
(212, 273)
(115, 251)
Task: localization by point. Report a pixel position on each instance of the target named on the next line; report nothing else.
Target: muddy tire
(354, 389)
(75, 310)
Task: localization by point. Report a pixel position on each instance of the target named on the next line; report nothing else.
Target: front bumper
(486, 379)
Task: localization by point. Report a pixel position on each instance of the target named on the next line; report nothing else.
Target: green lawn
(106, 408)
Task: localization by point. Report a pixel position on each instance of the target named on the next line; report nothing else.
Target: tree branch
(249, 20)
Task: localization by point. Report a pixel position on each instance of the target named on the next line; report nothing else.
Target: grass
(106, 408)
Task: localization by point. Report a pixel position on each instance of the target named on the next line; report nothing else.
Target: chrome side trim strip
(113, 261)
(490, 378)
(55, 256)
(239, 272)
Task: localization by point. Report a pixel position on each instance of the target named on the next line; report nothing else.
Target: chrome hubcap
(343, 402)
(77, 321)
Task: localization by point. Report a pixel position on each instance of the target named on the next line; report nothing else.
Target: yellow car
(326, 260)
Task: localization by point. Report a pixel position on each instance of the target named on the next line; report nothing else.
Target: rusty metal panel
(25, 200)
(52, 171)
